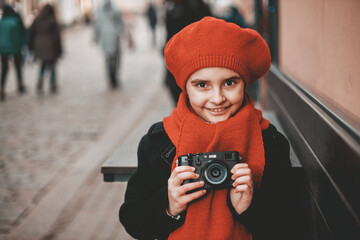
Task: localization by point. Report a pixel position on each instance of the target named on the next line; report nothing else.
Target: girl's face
(215, 94)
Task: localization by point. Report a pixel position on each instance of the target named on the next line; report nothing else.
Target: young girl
(213, 61)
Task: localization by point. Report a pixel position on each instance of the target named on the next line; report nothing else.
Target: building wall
(319, 48)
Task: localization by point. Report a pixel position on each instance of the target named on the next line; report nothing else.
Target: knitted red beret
(212, 42)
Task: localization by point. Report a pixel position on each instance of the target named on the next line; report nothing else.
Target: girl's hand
(177, 193)
(242, 192)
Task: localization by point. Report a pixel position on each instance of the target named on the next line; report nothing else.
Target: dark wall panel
(330, 157)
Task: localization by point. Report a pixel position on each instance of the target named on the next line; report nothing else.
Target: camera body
(213, 168)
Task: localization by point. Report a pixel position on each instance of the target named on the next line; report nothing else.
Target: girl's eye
(201, 85)
(229, 83)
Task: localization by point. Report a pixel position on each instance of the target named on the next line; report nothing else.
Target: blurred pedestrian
(233, 15)
(11, 41)
(179, 14)
(45, 43)
(152, 18)
(109, 27)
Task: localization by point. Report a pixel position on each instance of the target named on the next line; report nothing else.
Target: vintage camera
(212, 167)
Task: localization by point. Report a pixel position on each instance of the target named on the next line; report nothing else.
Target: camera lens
(216, 173)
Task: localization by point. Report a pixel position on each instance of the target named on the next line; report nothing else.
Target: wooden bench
(123, 162)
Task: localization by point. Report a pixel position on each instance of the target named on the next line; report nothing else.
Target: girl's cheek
(199, 100)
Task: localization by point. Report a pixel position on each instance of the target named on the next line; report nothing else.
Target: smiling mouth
(218, 110)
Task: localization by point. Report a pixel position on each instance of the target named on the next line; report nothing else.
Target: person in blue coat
(11, 41)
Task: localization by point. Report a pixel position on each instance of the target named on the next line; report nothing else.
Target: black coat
(143, 213)
(44, 37)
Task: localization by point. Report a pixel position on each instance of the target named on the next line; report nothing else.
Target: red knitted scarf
(210, 218)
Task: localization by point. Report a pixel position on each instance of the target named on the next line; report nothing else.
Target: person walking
(152, 19)
(109, 27)
(45, 43)
(11, 41)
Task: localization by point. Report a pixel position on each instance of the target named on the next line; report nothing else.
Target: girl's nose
(217, 97)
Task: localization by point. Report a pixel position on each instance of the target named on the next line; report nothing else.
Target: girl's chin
(216, 119)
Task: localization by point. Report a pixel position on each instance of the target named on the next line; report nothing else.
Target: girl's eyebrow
(233, 78)
(196, 80)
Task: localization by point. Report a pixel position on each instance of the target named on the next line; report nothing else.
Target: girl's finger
(241, 172)
(181, 169)
(192, 196)
(242, 180)
(178, 179)
(191, 186)
(238, 166)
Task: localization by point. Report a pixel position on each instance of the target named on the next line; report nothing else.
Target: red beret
(212, 42)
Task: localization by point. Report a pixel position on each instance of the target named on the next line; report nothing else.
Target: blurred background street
(52, 146)
(59, 129)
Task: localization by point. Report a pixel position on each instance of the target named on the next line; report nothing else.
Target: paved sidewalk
(51, 147)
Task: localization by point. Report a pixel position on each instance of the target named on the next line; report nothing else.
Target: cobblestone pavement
(41, 137)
